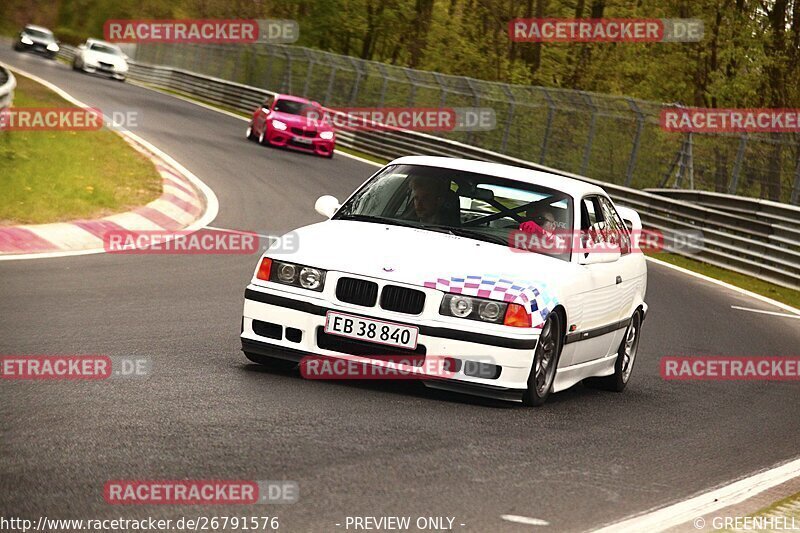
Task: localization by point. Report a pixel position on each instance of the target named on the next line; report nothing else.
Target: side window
(268, 102)
(615, 225)
(589, 212)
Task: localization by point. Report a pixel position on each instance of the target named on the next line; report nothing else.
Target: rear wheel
(270, 362)
(626, 356)
(545, 361)
(249, 133)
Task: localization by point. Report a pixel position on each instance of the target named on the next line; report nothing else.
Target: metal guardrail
(7, 85)
(734, 238)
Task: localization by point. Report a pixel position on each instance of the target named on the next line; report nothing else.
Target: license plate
(367, 329)
(302, 140)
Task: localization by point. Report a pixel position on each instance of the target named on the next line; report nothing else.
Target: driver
(539, 220)
(428, 196)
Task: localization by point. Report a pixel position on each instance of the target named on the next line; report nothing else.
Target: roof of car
(574, 187)
(37, 28)
(293, 98)
(98, 41)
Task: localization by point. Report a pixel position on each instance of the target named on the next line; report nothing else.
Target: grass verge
(764, 288)
(54, 176)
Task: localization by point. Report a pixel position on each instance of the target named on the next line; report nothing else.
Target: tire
(545, 362)
(249, 133)
(262, 137)
(626, 357)
(272, 363)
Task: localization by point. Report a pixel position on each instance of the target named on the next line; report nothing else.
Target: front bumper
(36, 48)
(296, 328)
(114, 73)
(287, 139)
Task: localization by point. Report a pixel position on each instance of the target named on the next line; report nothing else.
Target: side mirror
(596, 258)
(327, 206)
(630, 217)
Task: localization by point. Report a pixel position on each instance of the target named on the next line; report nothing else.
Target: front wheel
(545, 361)
(626, 356)
(262, 137)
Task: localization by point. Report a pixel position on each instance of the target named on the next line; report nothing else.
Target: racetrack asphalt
(356, 449)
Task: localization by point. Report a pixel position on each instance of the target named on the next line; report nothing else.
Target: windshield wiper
(378, 220)
(471, 234)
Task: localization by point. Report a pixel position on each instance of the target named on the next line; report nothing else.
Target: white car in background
(37, 39)
(434, 272)
(101, 57)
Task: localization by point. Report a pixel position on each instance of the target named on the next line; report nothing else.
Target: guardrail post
(412, 94)
(636, 139)
(548, 125)
(587, 152)
(737, 165)
(385, 78)
(476, 99)
(356, 85)
(512, 104)
(309, 71)
(796, 188)
(331, 79)
(287, 77)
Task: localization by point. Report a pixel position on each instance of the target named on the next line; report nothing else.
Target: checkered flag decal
(534, 297)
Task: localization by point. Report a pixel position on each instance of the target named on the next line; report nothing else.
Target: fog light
(460, 306)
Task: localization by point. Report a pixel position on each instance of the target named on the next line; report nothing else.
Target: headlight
(327, 135)
(484, 310)
(278, 125)
(53, 47)
(310, 278)
(26, 40)
(305, 277)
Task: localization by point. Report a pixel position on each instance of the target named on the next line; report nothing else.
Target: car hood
(416, 256)
(93, 55)
(39, 40)
(299, 121)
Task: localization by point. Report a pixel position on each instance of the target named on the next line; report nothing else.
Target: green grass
(53, 176)
(770, 290)
(792, 517)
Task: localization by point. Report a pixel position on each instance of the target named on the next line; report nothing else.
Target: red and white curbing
(186, 204)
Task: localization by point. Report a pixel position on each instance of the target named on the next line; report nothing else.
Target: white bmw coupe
(431, 256)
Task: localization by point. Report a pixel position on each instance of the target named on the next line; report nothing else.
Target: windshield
(293, 108)
(38, 34)
(485, 208)
(104, 49)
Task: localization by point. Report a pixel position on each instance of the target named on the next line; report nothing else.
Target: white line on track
(524, 520)
(212, 204)
(708, 502)
(787, 315)
(728, 286)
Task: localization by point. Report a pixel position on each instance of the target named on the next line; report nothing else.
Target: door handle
(619, 280)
